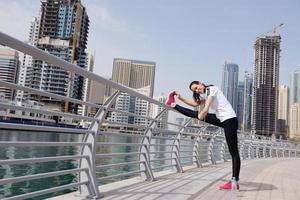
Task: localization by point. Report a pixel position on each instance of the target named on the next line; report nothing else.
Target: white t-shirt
(220, 104)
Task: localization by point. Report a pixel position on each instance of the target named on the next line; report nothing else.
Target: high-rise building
(25, 70)
(34, 31)
(9, 66)
(230, 75)
(295, 86)
(283, 110)
(240, 104)
(247, 112)
(132, 104)
(134, 74)
(96, 95)
(294, 93)
(138, 75)
(265, 88)
(93, 91)
(155, 110)
(295, 121)
(140, 107)
(63, 32)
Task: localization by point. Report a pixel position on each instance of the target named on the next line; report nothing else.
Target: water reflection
(7, 171)
(117, 159)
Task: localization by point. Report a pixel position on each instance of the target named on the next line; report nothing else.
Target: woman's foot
(228, 186)
(171, 99)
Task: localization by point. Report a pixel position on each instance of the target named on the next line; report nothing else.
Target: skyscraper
(63, 32)
(294, 96)
(283, 108)
(266, 81)
(132, 104)
(295, 86)
(138, 75)
(134, 74)
(230, 75)
(155, 110)
(240, 104)
(295, 121)
(25, 70)
(9, 64)
(247, 112)
(93, 91)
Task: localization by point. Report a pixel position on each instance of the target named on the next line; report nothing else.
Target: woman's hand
(201, 116)
(178, 94)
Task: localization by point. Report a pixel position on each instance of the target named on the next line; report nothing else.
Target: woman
(217, 111)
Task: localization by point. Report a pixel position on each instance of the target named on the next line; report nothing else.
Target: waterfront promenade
(43, 162)
(276, 179)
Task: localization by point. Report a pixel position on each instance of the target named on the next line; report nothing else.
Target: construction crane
(273, 31)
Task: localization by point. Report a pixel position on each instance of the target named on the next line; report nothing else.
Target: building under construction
(63, 32)
(266, 83)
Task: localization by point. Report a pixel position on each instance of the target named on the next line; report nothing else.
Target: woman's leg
(187, 112)
(209, 118)
(230, 129)
(212, 119)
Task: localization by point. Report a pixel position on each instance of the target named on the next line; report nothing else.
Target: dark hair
(196, 96)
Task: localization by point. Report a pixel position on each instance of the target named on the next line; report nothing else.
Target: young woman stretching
(217, 111)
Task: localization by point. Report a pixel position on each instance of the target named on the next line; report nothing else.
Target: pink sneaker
(171, 98)
(227, 186)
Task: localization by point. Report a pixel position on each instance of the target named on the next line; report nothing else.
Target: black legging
(230, 128)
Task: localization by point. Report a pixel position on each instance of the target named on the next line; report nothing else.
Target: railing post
(241, 150)
(269, 156)
(271, 151)
(210, 149)
(250, 149)
(144, 157)
(246, 151)
(93, 190)
(196, 157)
(176, 153)
(282, 149)
(264, 150)
(145, 164)
(223, 148)
(257, 150)
(176, 147)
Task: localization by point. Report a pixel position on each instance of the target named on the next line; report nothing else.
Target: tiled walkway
(260, 180)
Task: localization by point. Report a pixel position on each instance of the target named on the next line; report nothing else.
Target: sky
(188, 39)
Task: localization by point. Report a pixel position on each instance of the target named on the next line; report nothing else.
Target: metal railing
(111, 150)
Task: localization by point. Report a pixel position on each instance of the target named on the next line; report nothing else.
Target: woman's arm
(188, 101)
(204, 111)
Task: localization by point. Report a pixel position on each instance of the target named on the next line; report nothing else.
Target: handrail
(48, 94)
(13, 43)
